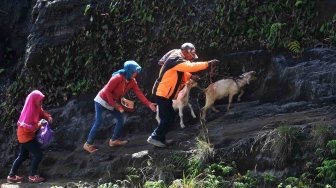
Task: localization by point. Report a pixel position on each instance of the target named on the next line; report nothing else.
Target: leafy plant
(204, 152)
(274, 34)
(332, 146)
(328, 29)
(247, 180)
(185, 183)
(327, 171)
(298, 3)
(215, 175)
(295, 48)
(87, 9)
(155, 184)
(283, 143)
(292, 181)
(320, 135)
(268, 179)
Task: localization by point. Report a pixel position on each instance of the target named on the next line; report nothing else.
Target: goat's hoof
(182, 126)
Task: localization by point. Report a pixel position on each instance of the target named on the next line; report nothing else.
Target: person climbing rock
(30, 121)
(174, 73)
(109, 99)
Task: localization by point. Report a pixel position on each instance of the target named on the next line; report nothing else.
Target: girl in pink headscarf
(29, 122)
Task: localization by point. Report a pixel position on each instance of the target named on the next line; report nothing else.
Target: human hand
(42, 122)
(195, 77)
(120, 109)
(152, 106)
(213, 61)
(50, 119)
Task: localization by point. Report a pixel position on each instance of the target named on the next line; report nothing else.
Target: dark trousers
(33, 147)
(167, 117)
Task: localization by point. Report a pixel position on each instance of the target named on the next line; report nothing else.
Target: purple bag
(45, 135)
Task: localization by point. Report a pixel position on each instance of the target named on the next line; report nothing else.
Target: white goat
(225, 87)
(181, 101)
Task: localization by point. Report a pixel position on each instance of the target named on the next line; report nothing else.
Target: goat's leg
(181, 117)
(230, 100)
(214, 109)
(239, 96)
(157, 115)
(192, 111)
(209, 101)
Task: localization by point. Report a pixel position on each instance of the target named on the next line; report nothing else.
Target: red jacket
(117, 87)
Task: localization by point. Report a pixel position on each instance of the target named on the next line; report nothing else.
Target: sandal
(36, 179)
(89, 148)
(113, 143)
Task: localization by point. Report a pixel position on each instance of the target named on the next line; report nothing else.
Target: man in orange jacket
(175, 72)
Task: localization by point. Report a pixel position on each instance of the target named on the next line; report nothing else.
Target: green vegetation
(220, 174)
(87, 61)
(121, 30)
(295, 48)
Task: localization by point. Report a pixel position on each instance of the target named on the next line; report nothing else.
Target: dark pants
(167, 117)
(32, 147)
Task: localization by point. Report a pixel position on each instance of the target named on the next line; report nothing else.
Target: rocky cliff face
(298, 92)
(231, 133)
(310, 79)
(54, 23)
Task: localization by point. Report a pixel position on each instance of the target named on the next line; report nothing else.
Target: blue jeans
(98, 121)
(34, 147)
(167, 117)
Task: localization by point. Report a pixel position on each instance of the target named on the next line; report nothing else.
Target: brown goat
(225, 87)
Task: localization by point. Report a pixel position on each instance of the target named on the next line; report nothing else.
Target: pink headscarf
(30, 113)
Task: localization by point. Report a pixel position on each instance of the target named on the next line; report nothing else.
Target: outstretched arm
(188, 66)
(142, 97)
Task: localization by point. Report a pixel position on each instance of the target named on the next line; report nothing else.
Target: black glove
(213, 61)
(195, 77)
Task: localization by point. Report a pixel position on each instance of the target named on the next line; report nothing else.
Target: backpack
(45, 135)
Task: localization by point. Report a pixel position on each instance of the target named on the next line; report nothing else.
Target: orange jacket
(25, 135)
(174, 74)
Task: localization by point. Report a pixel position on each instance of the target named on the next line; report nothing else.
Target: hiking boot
(14, 179)
(113, 143)
(36, 179)
(155, 142)
(89, 148)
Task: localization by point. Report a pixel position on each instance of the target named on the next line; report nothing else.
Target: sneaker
(113, 143)
(14, 179)
(36, 179)
(155, 142)
(89, 148)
